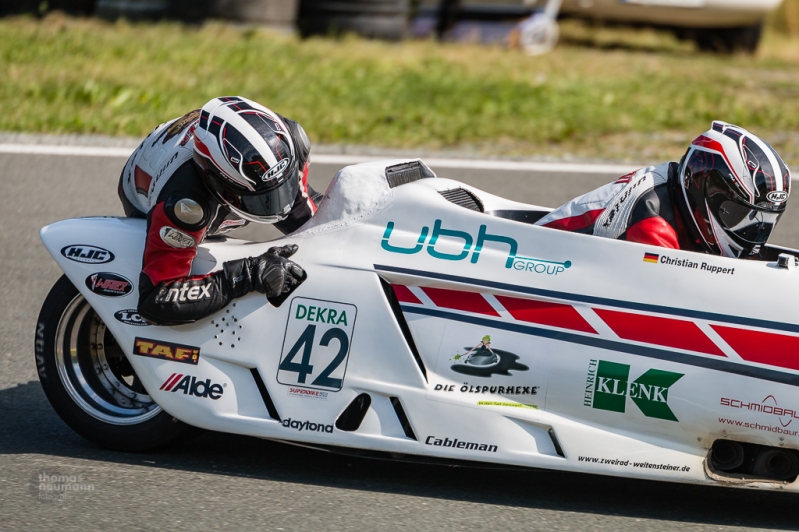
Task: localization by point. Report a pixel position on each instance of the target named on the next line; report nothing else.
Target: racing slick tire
(89, 381)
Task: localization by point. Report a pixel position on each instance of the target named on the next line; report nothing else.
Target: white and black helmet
(248, 158)
(736, 187)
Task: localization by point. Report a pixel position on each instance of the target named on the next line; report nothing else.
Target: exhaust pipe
(727, 455)
(779, 464)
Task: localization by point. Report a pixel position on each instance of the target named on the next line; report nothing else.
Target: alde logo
(87, 254)
(109, 284)
(608, 386)
(471, 248)
(306, 425)
(190, 385)
(131, 317)
(187, 354)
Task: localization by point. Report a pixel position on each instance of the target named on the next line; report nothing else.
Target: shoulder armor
(186, 212)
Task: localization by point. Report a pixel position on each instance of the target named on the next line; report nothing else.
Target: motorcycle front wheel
(89, 381)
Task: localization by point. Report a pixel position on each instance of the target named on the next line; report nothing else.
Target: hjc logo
(777, 196)
(468, 241)
(87, 254)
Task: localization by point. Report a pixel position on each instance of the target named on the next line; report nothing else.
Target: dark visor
(750, 224)
(265, 203)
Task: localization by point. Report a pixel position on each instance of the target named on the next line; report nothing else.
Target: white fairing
(609, 357)
(687, 13)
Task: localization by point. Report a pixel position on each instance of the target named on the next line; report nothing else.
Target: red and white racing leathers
(638, 207)
(161, 182)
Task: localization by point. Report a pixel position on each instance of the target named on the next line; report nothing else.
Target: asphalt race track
(226, 482)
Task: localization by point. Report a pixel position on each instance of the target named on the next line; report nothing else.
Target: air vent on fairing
(403, 173)
(463, 198)
(353, 415)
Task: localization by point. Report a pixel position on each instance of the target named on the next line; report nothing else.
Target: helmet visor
(747, 223)
(258, 206)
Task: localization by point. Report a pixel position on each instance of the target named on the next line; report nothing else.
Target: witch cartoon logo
(483, 361)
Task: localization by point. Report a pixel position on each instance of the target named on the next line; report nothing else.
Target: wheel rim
(94, 370)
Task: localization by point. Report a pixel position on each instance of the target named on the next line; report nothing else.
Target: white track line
(322, 158)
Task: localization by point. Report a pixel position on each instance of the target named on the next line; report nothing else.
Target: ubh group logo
(471, 248)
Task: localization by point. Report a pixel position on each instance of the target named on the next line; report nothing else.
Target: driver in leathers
(203, 174)
(724, 197)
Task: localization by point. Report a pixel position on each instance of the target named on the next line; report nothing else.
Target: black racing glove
(271, 274)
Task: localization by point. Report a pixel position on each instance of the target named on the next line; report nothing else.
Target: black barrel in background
(275, 12)
(379, 19)
(40, 7)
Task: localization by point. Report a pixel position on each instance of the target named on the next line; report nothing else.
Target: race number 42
(317, 344)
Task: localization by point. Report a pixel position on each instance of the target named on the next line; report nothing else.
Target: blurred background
(603, 80)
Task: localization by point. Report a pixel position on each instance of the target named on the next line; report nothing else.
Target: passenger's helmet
(735, 187)
(247, 157)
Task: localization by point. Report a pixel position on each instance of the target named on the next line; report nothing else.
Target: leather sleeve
(655, 231)
(167, 294)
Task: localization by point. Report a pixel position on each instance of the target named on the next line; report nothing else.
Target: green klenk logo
(608, 386)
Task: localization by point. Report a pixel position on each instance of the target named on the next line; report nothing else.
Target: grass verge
(636, 95)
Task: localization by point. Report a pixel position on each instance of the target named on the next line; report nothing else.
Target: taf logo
(178, 382)
(87, 254)
(187, 354)
(130, 317)
(109, 284)
(777, 196)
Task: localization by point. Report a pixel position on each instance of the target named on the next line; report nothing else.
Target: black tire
(729, 40)
(379, 19)
(89, 381)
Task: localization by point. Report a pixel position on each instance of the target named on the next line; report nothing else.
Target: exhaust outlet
(779, 464)
(741, 461)
(727, 455)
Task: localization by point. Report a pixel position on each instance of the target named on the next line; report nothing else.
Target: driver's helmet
(736, 188)
(247, 157)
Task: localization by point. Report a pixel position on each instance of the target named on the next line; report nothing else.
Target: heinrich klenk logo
(482, 360)
(608, 386)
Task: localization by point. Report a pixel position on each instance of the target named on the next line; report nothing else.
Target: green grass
(638, 94)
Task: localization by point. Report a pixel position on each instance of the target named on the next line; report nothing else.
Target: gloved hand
(274, 275)
(271, 274)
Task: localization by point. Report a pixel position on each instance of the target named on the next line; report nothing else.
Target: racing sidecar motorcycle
(438, 324)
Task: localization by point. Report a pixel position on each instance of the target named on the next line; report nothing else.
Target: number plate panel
(316, 346)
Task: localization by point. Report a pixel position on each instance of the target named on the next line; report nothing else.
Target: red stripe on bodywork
(667, 332)
(762, 347)
(404, 294)
(545, 313)
(170, 382)
(457, 300)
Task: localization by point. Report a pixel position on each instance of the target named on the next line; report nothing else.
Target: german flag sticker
(651, 257)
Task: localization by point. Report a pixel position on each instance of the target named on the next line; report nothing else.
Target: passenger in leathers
(201, 175)
(724, 197)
